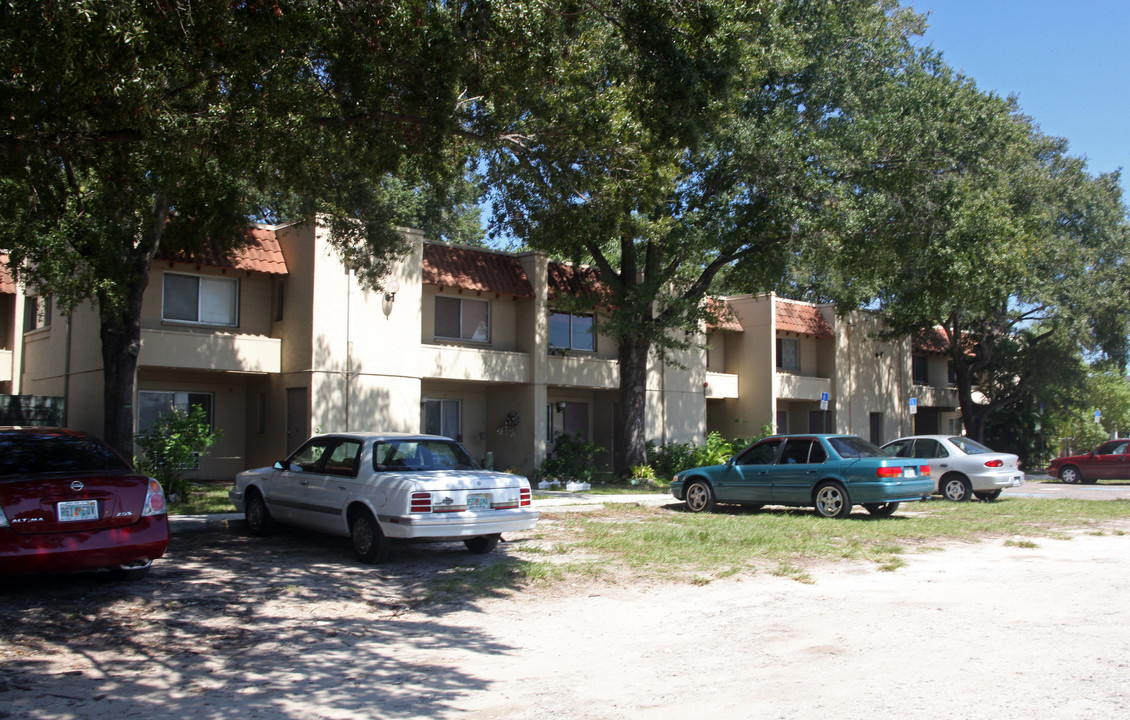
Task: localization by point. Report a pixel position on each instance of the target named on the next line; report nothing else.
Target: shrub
(572, 459)
(174, 444)
(669, 458)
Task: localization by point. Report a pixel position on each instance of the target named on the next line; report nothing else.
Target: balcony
(221, 351)
(453, 362)
(938, 397)
(583, 371)
(721, 385)
(801, 387)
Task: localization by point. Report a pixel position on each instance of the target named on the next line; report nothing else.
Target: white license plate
(75, 510)
(478, 501)
(909, 472)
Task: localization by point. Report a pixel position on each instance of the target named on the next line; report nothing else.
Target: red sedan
(1109, 460)
(68, 502)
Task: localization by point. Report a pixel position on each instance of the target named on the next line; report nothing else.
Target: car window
(342, 459)
(852, 446)
(28, 453)
(899, 448)
(763, 453)
(969, 447)
(309, 456)
(928, 448)
(1115, 447)
(421, 455)
(802, 451)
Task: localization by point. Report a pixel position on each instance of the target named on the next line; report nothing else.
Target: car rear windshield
(29, 454)
(416, 454)
(969, 447)
(851, 446)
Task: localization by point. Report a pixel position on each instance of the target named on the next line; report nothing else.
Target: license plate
(909, 472)
(75, 510)
(478, 501)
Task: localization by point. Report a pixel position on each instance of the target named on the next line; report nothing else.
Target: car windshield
(969, 447)
(29, 454)
(851, 446)
(417, 454)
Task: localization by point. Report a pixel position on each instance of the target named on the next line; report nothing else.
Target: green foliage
(643, 474)
(669, 458)
(173, 444)
(572, 459)
(716, 451)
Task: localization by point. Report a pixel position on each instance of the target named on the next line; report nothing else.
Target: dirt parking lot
(290, 626)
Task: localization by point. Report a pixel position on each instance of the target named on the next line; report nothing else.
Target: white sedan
(372, 487)
(965, 468)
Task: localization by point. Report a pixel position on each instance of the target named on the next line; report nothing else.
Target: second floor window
(462, 319)
(920, 369)
(788, 354)
(37, 313)
(571, 332)
(200, 299)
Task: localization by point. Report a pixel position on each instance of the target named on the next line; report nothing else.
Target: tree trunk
(120, 318)
(631, 445)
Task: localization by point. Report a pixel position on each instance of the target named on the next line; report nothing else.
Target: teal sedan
(829, 472)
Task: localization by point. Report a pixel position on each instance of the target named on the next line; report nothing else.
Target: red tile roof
(7, 284)
(727, 320)
(933, 340)
(566, 280)
(261, 253)
(801, 318)
(477, 270)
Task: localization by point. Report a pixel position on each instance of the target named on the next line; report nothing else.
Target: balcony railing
(583, 371)
(721, 385)
(930, 396)
(801, 387)
(454, 362)
(193, 350)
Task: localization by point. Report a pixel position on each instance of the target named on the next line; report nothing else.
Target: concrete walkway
(545, 500)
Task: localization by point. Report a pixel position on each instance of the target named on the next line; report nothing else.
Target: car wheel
(1070, 474)
(988, 495)
(956, 488)
(881, 509)
(258, 517)
(482, 544)
(369, 542)
(700, 497)
(832, 501)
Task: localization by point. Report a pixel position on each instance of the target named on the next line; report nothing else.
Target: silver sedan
(965, 468)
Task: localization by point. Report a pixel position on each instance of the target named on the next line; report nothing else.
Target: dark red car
(68, 502)
(1109, 460)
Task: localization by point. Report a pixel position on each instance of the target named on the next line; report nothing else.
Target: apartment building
(280, 341)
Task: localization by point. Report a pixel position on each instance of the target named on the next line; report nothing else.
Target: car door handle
(342, 487)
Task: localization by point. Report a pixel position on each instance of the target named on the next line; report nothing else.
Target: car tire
(987, 495)
(1070, 475)
(831, 500)
(699, 497)
(881, 510)
(369, 541)
(956, 488)
(258, 517)
(482, 544)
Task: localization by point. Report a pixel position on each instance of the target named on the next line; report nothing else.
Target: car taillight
(888, 472)
(154, 500)
(924, 470)
(3, 519)
(994, 463)
(421, 502)
(527, 497)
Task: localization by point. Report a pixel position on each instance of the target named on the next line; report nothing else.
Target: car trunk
(461, 490)
(72, 503)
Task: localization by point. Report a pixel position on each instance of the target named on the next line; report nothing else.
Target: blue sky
(1067, 62)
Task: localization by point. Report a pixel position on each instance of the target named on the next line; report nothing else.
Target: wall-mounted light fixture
(879, 353)
(561, 407)
(391, 290)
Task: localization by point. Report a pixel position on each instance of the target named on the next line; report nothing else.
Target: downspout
(67, 375)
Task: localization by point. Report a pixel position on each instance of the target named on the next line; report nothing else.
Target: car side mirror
(730, 462)
(282, 465)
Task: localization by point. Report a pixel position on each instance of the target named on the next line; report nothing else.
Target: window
(788, 354)
(920, 369)
(763, 453)
(153, 404)
(200, 299)
(37, 313)
(571, 332)
(782, 422)
(441, 417)
(462, 319)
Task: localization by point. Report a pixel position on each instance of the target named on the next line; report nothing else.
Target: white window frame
(450, 410)
(203, 283)
(571, 317)
(464, 335)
